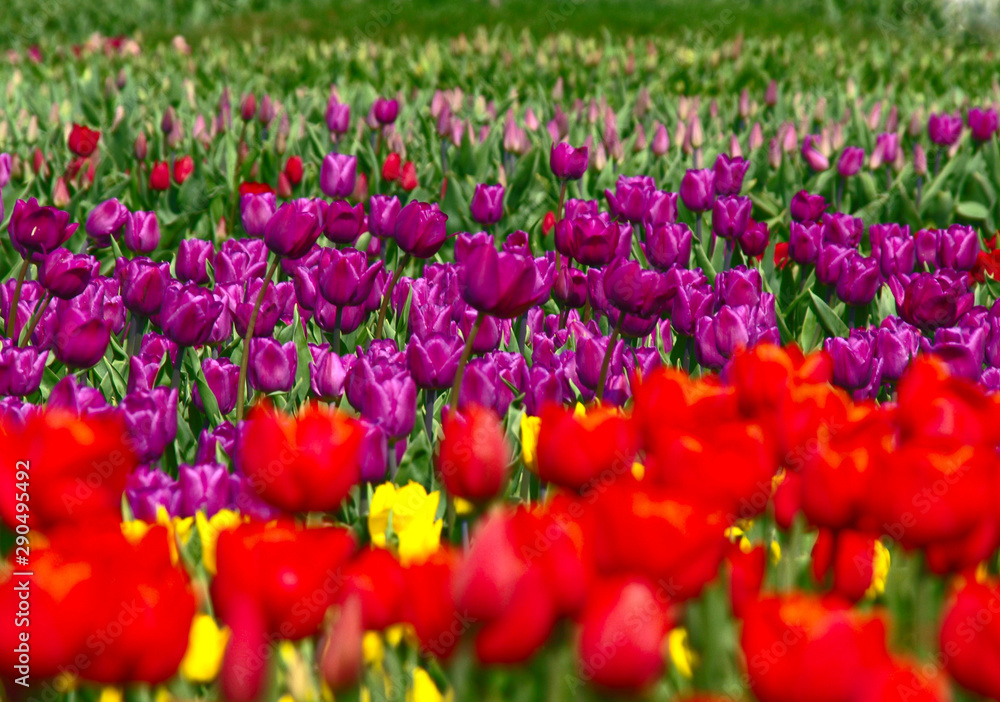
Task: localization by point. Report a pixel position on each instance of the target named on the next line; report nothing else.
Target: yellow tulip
(206, 645)
(209, 530)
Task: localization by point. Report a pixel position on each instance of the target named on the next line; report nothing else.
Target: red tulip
(83, 140)
(293, 170)
(249, 187)
(970, 638)
(339, 653)
(300, 463)
(376, 578)
(408, 177)
(183, 167)
(746, 576)
(850, 557)
(580, 452)
(76, 469)
(159, 176)
(429, 606)
(549, 223)
(391, 167)
(475, 457)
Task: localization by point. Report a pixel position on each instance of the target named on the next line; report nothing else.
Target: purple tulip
(718, 337)
(961, 349)
(567, 162)
(630, 199)
(944, 129)
(830, 262)
(293, 229)
(255, 211)
(385, 111)
(739, 286)
(391, 403)
(327, 373)
(81, 338)
(668, 245)
(545, 386)
(343, 222)
(504, 284)
(420, 229)
(813, 157)
(958, 247)
(21, 369)
(850, 161)
(151, 420)
(203, 487)
(806, 207)
(661, 208)
(592, 240)
(577, 208)
(928, 243)
(755, 238)
(634, 290)
(240, 260)
(982, 123)
(886, 149)
(241, 300)
(64, 275)
(338, 116)
(35, 230)
(148, 488)
(896, 344)
(382, 213)
(570, 287)
(698, 189)
(731, 216)
(487, 204)
(142, 232)
(188, 314)
(852, 360)
(729, 174)
(142, 372)
(5, 168)
(221, 375)
(433, 361)
(272, 365)
(374, 452)
(337, 175)
(105, 221)
(804, 242)
(143, 284)
(79, 399)
(859, 279)
(844, 230)
(345, 278)
(193, 258)
(932, 300)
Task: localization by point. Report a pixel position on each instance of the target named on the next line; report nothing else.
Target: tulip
(505, 284)
(850, 161)
(698, 189)
(660, 143)
(183, 168)
(859, 279)
(148, 489)
(193, 257)
(487, 204)
(830, 263)
(815, 159)
(805, 207)
(893, 248)
(852, 360)
(338, 116)
(944, 129)
(345, 278)
(35, 231)
(327, 373)
(630, 199)
(567, 162)
(203, 487)
(970, 638)
(143, 284)
(592, 240)
(21, 369)
(634, 290)
(272, 365)
(189, 314)
(433, 361)
(106, 220)
(474, 455)
(755, 238)
(142, 232)
(420, 229)
(731, 216)
(255, 211)
(317, 453)
(896, 343)
(293, 230)
(804, 242)
(220, 376)
(958, 247)
(343, 222)
(5, 169)
(83, 140)
(575, 452)
(729, 174)
(81, 339)
(159, 176)
(932, 300)
(382, 213)
(337, 175)
(385, 111)
(982, 123)
(570, 287)
(64, 275)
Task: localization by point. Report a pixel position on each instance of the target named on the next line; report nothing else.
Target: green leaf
(828, 318)
(972, 210)
(208, 400)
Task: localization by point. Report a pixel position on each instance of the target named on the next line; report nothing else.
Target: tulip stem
(403, 263)
(920, 189)
(337, 318)
(16, 298)
(612, 342)
(429, 397)
(558, 216)
(840, 191)
(241, 384)
(522, 330)
(466, 355)
(33, 322)
(175, 379)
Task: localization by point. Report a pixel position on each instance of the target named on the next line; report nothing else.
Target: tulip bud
(248, 107)
(140, 147)
(474, 456)
(341, 661)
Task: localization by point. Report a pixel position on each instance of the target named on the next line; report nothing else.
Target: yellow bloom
(463, 507)
(206, 645)
(413, 513)
(424, 689)
(134, 530)
(163, 695)
(373, 648)
(209, 530)
(529, 438)
(683, 658)
(775, 552)
(110, 694)
(880, 570)
(638, 470)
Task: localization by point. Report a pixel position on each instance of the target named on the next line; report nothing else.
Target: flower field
(500, 365)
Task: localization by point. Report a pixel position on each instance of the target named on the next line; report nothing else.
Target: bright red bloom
(391, 167)
(76, 468)
(301, 463)
(849, 556)
(549, 223)
(429, 606)
(576, 451)
(800, 647)
(746, 576)
(284, 186)
(781, 257)
(376, 578)
(183, 167)
(159, 176)
(83, 140)
(474, 458)
(621, 634)
(249, 187)
(408, 177)
(340, 653)
(293, 170)
(970, 638)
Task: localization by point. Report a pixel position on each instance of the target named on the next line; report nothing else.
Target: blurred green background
(24, 22)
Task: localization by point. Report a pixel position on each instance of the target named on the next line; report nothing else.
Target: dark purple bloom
(221, 375)
(850, 161)
(487, 204)
(893, 248)
(629, 200)
(272, 365)
(806, 207)
(382, 213)
(345, 278)
(79, 399)
(896, 344)
(570, 287)
(149, 488)
(844, 230)
(944, 129)
(81, 338)
(255, 211)
(577, 208)
(105, 221)
(634, 290)
(731, 216)
(328, 372)
(374, 452)
(385, 110)
(188, 314)
(932, 300)
(729, 174)
(21, 369)
(961, 349)
(739, 286)
(504, 284)
(151, 420)
(239, 260)
(338, 116)
(567, 162)
(927, 243)
(661, 208)
(420, 229)
(830, 261)
(343, 222)
(668, 245)
(143, 284)
(755, 238)
(193, 258)
(64, 275)
(853, 359)
(592, 240)
(142, 232)
(293, 229)
(203, 487)
(859, 279)
(958, 247)
(804, 241)
(433, 360)
(337, 175)
(698, 189)
(35, 230)
(982, 123)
